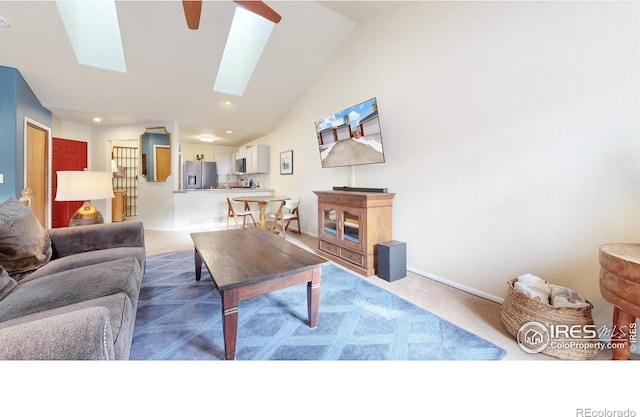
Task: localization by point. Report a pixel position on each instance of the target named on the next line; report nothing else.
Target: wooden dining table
(262, 205)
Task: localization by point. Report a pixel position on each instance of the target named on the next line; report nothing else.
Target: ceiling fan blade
(192, 11)
(261, 9)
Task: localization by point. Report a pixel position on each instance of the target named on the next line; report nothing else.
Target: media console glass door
(342, 225)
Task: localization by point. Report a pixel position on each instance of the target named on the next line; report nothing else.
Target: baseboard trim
(470, 290)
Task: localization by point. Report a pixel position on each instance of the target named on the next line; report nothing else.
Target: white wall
(72, 131)
(510, 131)
(155, 199)
(190, 150)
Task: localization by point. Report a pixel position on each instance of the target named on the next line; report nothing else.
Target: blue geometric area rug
(181, 319)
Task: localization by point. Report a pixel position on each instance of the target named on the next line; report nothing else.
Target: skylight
(247, 38)
(94, 32)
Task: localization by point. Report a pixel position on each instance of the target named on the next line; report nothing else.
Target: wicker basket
(518, 309)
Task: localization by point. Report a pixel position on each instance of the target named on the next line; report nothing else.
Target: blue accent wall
(17, 101)
(8, 131)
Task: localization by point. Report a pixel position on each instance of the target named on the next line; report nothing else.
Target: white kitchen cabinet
(223, 163)
(257, 159)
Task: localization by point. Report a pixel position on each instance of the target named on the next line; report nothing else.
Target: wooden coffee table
(245, 263)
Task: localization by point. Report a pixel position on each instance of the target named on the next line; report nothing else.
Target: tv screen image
(351, 136)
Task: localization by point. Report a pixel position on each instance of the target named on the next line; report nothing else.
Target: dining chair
(287, 212)
(231, 212)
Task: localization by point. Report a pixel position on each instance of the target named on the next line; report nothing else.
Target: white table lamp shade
(84, 185)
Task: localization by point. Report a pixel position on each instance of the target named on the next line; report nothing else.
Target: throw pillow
(24, 244)
(7, 284)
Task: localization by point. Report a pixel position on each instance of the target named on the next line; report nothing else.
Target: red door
(67, 155)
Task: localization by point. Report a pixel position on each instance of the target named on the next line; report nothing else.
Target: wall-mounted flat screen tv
(351, 136)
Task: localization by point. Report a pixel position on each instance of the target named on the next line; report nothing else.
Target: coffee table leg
(198, 260)
(313, 297)
(230, 322)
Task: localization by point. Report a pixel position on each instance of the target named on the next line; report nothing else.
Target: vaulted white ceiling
(171, 70)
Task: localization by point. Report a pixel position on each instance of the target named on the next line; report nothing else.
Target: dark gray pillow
(24, 244)
(7, 284)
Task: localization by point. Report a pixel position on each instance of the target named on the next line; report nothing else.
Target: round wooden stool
(620, 285)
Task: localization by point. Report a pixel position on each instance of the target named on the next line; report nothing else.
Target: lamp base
(87, 214)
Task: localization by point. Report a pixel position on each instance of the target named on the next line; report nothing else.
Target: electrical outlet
(1, 178)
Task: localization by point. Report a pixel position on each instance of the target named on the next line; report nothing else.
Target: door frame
(29, 121)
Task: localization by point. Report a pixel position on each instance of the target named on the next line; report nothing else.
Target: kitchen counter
(234, 190)
(207, 208)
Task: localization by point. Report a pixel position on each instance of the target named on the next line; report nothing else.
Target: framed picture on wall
(286, 163)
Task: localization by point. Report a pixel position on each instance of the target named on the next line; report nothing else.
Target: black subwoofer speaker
(392, 260)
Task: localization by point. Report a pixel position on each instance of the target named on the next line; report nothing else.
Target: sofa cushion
(78, 335)
(7, 284)
(73, 286)
(88, 258)
(121, 318)
(24, 244)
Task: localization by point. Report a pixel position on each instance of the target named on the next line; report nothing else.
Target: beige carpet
(472, 313)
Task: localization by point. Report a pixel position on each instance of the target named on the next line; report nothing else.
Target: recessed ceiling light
(207, 138)
(97, 119)
(229, 131)
(4, 22)
(227, 102)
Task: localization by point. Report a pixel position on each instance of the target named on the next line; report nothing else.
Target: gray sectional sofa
(68, 293)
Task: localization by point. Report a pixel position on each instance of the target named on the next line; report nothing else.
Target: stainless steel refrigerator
(200, 175)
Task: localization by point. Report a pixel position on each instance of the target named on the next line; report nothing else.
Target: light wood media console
(350, 226)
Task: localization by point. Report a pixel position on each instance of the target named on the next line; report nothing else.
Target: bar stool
(620, 285)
